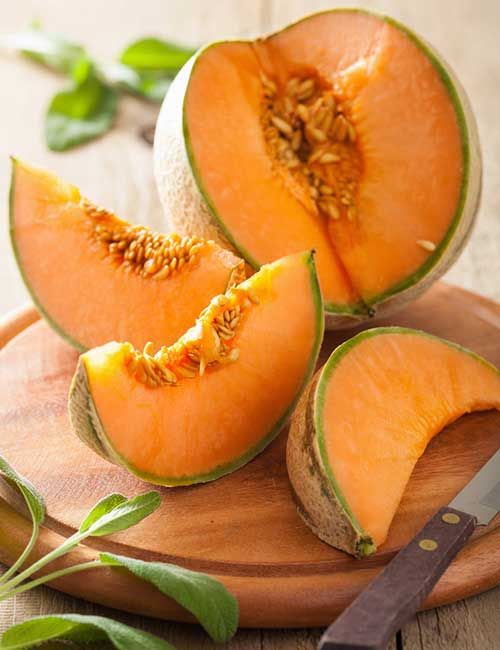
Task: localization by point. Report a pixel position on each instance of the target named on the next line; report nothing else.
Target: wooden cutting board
(242, 528)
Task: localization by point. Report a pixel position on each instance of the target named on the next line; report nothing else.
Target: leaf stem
(92, 564)
(65, 547)
(20, 560)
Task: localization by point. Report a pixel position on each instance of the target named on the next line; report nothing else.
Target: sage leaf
(155, 54)
(34, 500)
(100, 509)
(49, 49)
(206, 598)
(81, 113)
(122, 516)
(78, 628)
(112, 514)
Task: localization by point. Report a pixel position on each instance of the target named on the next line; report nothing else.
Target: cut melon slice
(96, 278)
(366, 419)
(209, 403)
(355, 139)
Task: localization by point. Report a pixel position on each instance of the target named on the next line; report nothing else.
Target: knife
(396, 593)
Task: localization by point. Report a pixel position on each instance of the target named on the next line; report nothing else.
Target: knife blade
(397, 592)
(481, 496)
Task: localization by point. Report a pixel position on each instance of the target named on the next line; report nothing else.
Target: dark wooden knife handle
(396, 594)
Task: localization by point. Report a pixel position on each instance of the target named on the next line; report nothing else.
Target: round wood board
(242, 528)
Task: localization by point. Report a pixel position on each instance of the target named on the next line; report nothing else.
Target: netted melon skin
(184, 206)
(316, 501)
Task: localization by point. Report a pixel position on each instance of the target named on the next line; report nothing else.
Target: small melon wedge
(366, 419)
(96, 278)
(209, 403)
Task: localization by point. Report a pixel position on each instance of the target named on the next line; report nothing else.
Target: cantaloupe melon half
(96, 278)
(366, 419)
(344, 132)
(208, 404)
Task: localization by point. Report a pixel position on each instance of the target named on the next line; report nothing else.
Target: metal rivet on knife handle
(450, 518)
(428, 544)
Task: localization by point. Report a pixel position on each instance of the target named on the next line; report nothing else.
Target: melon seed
(303, 112)
(426, 245)
(280, 124)
(328, 157)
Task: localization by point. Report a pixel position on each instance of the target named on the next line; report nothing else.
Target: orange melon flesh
(81, 290)
(384, 400)
(208, 425)
(222, 108)
(409, 138)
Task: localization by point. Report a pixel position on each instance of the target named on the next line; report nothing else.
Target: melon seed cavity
(210, 343)
(308, 130)
(139, 249)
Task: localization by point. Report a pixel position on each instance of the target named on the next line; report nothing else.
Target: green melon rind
(86, 423)
(319, 401)
(460, 225)
(38, 304)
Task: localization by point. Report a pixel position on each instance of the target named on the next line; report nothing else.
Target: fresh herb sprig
(87, 107)
(203, 596)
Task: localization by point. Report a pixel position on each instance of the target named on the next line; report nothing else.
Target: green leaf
(154, 88)
(33, 498)
(82, 70)
(79, 114)
(81, 100)
(154, 54)
(124, 515)
(206, 598)
(48, 49)
(100, 509)
(150, 85)
(78, 628)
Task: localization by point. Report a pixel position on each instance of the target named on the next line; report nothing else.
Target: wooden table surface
(117, 172)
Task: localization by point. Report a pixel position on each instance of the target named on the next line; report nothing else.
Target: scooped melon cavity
(210, 342)
(311, 134)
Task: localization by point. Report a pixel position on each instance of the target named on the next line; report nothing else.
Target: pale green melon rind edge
(17, 256)
(97, 433)
(465, 123)
(319, 402)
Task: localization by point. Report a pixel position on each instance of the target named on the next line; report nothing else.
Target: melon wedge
(209, 403)
(366, 419)
(89, 272)
(345, 133)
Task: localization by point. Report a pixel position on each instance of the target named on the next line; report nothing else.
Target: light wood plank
(466, 625)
